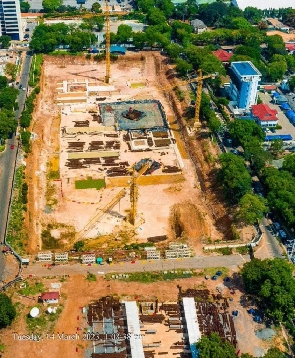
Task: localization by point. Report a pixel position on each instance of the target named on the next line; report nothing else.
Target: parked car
(282, 234)
(276, 225)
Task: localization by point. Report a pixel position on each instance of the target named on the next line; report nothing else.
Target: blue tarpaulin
(283, 137)
(285, 106)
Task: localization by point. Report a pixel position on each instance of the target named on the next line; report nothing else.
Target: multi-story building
(244, 84)
(10, 19)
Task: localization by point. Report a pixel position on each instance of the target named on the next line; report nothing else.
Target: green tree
(11, 70)
(145, 5)
(289, 163)
(24, 6)
(251, 208)
(173, 51)
(8, 98)
(7, 311)
(124, 33)
(79, 245)
(276, 147)
(182, 67)
(245, 131)
(8, 124)
(234, 177)
(156, 17)
(51, 5)
(274, 353)
(292, 83)
(5, 40)
(96, 7)
(273, 285)
(213, 346)
(252, 14)
(213, 13)
(3, 82)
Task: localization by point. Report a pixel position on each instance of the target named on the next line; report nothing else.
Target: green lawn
(90, 184)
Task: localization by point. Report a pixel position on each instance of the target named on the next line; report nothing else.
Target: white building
(61, 256)
(10, 19)
(263, 5)
(88, 259)
(45, 256)
(244, 84)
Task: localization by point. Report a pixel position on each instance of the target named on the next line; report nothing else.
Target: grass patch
(147, 277)
(44, 322)
(137, 85)
(90, 184)
(90, 277)
(2, 148)
(33, 289)
(243, 250)
(211, 271)
(224, 250)
(35, 70)
(16, 234)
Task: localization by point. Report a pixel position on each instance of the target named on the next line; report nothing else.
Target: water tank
(34, 312)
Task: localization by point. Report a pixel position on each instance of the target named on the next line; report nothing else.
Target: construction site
(145, 329)
(109, 158)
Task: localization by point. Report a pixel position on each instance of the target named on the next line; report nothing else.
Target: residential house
(264, 115)
(198, 26)
(223, 55)
(49, 297)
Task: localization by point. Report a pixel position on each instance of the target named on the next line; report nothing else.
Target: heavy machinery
(90, 225)
(136, 173)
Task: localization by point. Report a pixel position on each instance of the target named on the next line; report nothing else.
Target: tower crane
(134, 189)
(199, 79)
(108, 44)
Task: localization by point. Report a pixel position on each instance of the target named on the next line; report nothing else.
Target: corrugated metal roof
(134, 329)
(192, 324)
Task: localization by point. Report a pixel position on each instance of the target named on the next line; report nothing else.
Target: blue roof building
(244, 84)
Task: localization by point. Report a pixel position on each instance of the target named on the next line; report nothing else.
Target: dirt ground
(156, 202)
(285, 36)
(76, 293)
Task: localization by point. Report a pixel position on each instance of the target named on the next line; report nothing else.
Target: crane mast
(108, 44)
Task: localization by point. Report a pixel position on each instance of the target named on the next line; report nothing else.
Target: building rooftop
(264, 112)
(50, 296)
(192, 323)
(222, 55)
(245, 68)
(263, 5)
(198, 23)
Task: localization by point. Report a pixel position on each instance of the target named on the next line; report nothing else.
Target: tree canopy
(251, 208)
(46, 38)
(289, 163)
(272, 283)
(213, 346)
(8, 124)
(7, 311)
(51, 5)
(234, 177)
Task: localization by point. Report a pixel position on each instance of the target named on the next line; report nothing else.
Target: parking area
(287, 127)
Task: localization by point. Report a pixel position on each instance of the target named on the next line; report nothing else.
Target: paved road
(197, 262)
(271, 241)
(7, 163)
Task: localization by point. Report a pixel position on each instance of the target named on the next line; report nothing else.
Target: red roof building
(290, 46)
(222, 55)
(264, 115)
(50, 297)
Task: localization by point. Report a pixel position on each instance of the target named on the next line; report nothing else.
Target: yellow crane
(92, 222)
(199, 79)
(134, 190)
(108, 44)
